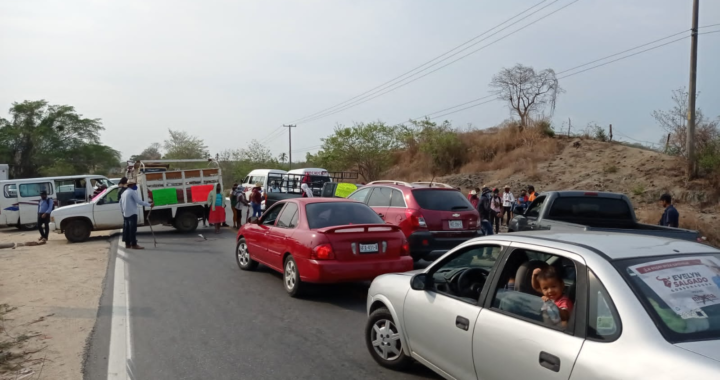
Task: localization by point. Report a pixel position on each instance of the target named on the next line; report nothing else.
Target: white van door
(9, 211)
(28, 199)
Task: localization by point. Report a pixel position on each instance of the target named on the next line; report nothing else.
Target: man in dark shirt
(671, 217)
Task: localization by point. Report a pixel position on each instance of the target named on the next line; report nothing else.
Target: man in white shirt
(129, 202)
(508, 201)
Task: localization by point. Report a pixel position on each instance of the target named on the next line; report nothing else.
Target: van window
(258, 178)
(10, 191)
(34, 189)
(67, 186)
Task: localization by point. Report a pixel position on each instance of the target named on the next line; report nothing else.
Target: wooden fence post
(667, 143)
(610, 132)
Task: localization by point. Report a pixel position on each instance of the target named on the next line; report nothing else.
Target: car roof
(401, 186)
(322, 200)
(265, 171)
(611, 245)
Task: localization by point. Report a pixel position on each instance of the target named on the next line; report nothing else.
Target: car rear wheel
(291, 278)
(77, 231)
(243, 256)
(383, 341)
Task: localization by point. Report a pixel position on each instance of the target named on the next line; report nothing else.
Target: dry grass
(689, 218)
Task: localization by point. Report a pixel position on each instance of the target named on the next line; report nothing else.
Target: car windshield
(321, 215)
(441, 200)
(681, 293)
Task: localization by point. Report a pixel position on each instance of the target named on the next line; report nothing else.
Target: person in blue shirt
(45, 207)
(671, 217)
(129, 202)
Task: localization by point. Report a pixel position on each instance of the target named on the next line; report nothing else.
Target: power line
(708, 26)
(462, 109)
(716, 31)
(400, 84)
(418, 67)
(277, 133)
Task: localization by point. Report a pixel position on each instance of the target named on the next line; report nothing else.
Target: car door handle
(462, 323)
(549, 361)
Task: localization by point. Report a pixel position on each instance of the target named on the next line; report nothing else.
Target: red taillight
(323, 252)
(405, 249)
(416, 219)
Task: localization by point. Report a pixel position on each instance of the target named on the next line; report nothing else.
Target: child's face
(552, 288)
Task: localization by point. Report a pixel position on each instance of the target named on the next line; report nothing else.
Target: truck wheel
(77, 231)
(186, 222)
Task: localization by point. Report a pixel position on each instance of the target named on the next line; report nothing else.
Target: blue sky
(229, 71)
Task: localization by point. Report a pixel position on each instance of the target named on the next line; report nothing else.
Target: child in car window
(548, 282)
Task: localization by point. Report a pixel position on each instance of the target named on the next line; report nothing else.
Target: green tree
(366, 148)
(42, 139)
(182, 145)
(283, 157)
(152, 152)
(440, 142)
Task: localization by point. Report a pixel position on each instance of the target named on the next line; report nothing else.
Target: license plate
(456, 224)
(368, 248)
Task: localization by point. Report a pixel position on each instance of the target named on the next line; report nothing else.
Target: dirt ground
(49, 296)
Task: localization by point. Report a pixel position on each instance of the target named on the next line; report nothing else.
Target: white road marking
(120, 355)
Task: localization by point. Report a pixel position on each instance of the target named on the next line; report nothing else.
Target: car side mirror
(419, 281)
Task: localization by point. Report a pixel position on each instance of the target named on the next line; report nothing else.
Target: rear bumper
(321, 271)
(424, 245)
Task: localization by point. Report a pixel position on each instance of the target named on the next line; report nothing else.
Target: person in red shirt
(548, 282)
(256, 200)
(474, 200)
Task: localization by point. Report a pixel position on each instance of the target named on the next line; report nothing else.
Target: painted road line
(120, 354)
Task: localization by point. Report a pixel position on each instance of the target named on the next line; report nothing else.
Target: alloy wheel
(290, 274)
(386, 340)
(243, 255)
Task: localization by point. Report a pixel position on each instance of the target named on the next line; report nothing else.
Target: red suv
(433, 218)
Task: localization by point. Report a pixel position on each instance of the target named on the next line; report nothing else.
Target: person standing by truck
(241, 203)
(216, 202)
(45, 207)
(508, 202)
(233, 203)
(671, 217)
(256, 200)
(129, 205)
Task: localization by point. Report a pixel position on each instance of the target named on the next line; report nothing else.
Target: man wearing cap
(671, 217)
(129, 202)
(508, 201)
(45, 207)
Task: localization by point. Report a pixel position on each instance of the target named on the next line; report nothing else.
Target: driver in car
(548, 282)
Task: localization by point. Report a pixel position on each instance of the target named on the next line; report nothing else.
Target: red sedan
(322, 240)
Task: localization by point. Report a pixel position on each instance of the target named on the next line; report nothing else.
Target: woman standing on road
(216, 203)
(496, 205)
(241, 203)
(256, 200)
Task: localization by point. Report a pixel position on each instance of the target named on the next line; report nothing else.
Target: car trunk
(447, 212)
(364, 242)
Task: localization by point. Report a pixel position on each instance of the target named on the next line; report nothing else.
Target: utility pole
(691, 166)
(289, 127)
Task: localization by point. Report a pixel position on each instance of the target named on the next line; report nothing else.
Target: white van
(264, 176)
(19, 198)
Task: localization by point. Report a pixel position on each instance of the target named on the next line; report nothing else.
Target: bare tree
(526, 91)
(674, 121)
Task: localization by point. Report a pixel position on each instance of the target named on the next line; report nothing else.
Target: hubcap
(243, 255)
(290, 272)
(386, 340)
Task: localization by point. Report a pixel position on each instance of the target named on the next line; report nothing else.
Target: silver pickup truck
(589, 211)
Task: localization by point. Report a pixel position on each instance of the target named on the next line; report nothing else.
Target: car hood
(72, 209)
(707, 348)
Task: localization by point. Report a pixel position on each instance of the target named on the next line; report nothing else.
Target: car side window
(294, 220)
(534, 210)
(380, 197)
(270, 216)
(288, 213)
(465, 273)
(34, 189)
(112, 196)
(603, 319)
(10, 191)
(547, 301)
(360, 195)
(397, 199)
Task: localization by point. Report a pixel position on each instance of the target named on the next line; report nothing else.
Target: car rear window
(321, 215)
(441, 200)
(590, 208)
(681, 293)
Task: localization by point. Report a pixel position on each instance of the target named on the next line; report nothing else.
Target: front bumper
(54, 227)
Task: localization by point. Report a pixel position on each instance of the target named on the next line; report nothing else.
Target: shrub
(639, 189)
(610, 169)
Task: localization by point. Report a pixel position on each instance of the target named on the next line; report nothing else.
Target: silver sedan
(546, 305)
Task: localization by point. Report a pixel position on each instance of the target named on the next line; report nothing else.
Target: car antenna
(432, 180)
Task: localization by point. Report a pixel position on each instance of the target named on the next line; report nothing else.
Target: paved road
(194, 315)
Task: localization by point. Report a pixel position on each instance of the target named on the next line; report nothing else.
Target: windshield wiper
(458, 207)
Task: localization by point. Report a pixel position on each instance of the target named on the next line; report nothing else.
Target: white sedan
(630, 307)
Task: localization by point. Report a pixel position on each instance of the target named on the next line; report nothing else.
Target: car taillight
(416, 219)
(323, 252)
(405, 249)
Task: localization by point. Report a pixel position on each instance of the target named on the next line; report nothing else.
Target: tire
(291, 278)
(383, 341)
(186, 222)
(243, 258)
(77, 231)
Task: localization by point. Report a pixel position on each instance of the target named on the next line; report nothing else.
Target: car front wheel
(382, 338)
(243, 256)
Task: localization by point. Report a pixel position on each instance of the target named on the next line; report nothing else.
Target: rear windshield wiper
(458, 207)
